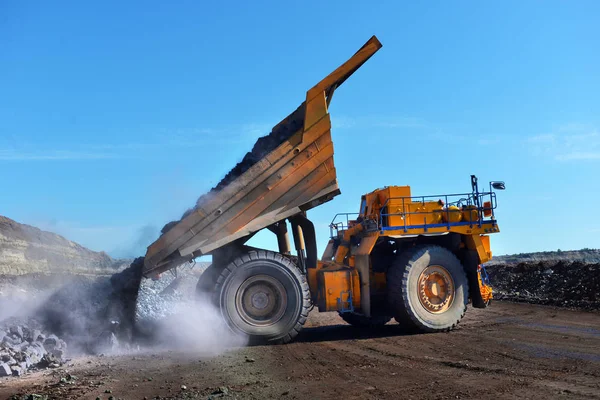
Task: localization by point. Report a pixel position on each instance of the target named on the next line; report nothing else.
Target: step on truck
(416, 259)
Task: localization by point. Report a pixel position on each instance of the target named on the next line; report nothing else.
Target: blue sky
(115, 117)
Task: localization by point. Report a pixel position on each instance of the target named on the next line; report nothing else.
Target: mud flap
(470, 262)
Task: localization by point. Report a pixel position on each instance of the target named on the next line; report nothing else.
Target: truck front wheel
(264, 296)
(428, 289)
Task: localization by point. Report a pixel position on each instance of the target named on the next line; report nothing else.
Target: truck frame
(418, 259)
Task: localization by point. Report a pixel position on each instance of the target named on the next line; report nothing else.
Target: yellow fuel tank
(470, 214)
(452, 214)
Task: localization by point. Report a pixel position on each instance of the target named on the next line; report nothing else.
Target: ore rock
(5, 370)
(17, 331)
(59, 354)
(50, 343)
(33, 335)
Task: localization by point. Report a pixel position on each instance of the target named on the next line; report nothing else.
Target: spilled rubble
(26, 347)
(120, 314)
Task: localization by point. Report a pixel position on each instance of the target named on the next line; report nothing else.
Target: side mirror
(498, 185)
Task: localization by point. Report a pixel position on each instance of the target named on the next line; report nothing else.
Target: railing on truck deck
(470, 201)
(482, 203)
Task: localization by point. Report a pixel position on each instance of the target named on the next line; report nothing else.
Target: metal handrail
(340, 226)
(474, 201)
(469, 201)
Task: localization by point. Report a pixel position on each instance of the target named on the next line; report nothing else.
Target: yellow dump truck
(415, 259)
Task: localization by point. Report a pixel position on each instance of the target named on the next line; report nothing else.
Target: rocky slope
(25, 249)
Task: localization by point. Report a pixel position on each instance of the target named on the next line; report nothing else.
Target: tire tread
(292, 268)
(398, 277)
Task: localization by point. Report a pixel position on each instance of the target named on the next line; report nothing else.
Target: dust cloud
(171, 315)
(107, 315)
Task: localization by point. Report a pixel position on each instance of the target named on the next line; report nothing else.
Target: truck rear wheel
(428, 289)
(360, 320)
(207, 281)
(264, 296)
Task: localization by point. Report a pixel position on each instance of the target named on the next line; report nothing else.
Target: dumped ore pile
(25, 347)
(558, 283)
(101, 315)
(261, 148)
(92, 314)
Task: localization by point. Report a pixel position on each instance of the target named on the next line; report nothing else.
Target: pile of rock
(23, 347)
(558, 283)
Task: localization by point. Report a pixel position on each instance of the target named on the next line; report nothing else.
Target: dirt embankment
(25, 249)
(558, 283)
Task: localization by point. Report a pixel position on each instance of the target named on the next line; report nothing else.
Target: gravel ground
(507, 351)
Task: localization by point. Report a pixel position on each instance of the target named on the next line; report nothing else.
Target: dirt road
(507, 351)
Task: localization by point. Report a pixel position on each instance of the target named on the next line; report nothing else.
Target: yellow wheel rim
(436, 289)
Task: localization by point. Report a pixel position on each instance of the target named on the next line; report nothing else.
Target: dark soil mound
(558, 283)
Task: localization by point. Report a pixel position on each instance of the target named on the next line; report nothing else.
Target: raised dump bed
(289, 171)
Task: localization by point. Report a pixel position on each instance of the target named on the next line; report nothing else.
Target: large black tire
(207, 281)
(405, 296)
(361, 321)
(264, 296)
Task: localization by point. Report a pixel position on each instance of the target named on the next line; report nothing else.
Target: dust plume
(107, 315)
(171, 315)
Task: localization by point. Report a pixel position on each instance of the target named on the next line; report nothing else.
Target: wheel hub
(436, 289)
(261, 300)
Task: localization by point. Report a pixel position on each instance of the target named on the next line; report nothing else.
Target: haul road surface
(509, 350)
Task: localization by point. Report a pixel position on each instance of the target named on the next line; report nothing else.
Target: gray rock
(33, 350)
(59, 354)
(17, 371)
(10, 341)
(5, 370)
(34, 360)
(33, 335)
(50, 343)
(40, 338)
(49, 360)
(19, 356)
(17, 331)
(2, 334)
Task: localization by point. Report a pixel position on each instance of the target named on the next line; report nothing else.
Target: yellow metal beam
(319, 96)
